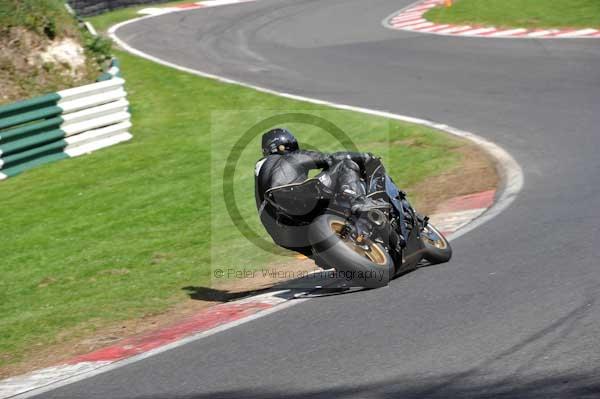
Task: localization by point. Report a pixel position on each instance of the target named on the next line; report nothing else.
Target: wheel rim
(434, 238)
(367, 249)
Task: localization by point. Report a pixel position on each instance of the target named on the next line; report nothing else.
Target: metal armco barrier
(63, 125)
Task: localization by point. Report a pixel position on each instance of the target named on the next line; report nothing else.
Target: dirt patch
(65, 52)
(32, 64)
(475, 173)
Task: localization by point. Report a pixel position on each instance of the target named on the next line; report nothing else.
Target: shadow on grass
(319, 284)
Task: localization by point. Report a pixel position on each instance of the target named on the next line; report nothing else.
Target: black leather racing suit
(341, 174)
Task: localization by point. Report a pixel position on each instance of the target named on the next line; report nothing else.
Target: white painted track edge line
(476, 31)
(540, 33)
(581, 33)
(509, 32)
(510, 172)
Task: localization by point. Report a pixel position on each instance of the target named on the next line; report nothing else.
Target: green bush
(46, 17)
(98, 47)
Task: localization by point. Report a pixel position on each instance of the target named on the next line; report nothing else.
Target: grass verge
(117, 235)
(520, 13)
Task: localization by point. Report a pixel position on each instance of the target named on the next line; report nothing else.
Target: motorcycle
(369, 247)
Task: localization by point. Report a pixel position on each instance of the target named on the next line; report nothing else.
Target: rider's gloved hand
(359, 157)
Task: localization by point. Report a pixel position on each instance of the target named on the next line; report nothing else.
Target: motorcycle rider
(296, 222)
(285, 163)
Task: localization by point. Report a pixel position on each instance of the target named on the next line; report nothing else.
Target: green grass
(118, 234)
(520, 13)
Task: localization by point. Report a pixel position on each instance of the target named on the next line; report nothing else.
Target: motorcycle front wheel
(364, 263)
(436, 246)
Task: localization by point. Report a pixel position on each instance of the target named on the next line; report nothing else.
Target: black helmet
(278, 141)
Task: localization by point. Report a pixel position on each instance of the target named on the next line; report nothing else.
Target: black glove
(359, 157)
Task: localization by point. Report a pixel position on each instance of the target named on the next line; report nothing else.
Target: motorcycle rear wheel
(366, 264)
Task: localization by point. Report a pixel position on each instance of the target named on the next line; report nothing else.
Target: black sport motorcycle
(368, 247)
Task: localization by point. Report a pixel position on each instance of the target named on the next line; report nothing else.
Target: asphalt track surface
(515, 313)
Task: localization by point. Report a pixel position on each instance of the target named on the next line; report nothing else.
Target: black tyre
(366, 264)
(436, 246)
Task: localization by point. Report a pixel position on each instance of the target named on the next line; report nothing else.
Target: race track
(514, 314)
